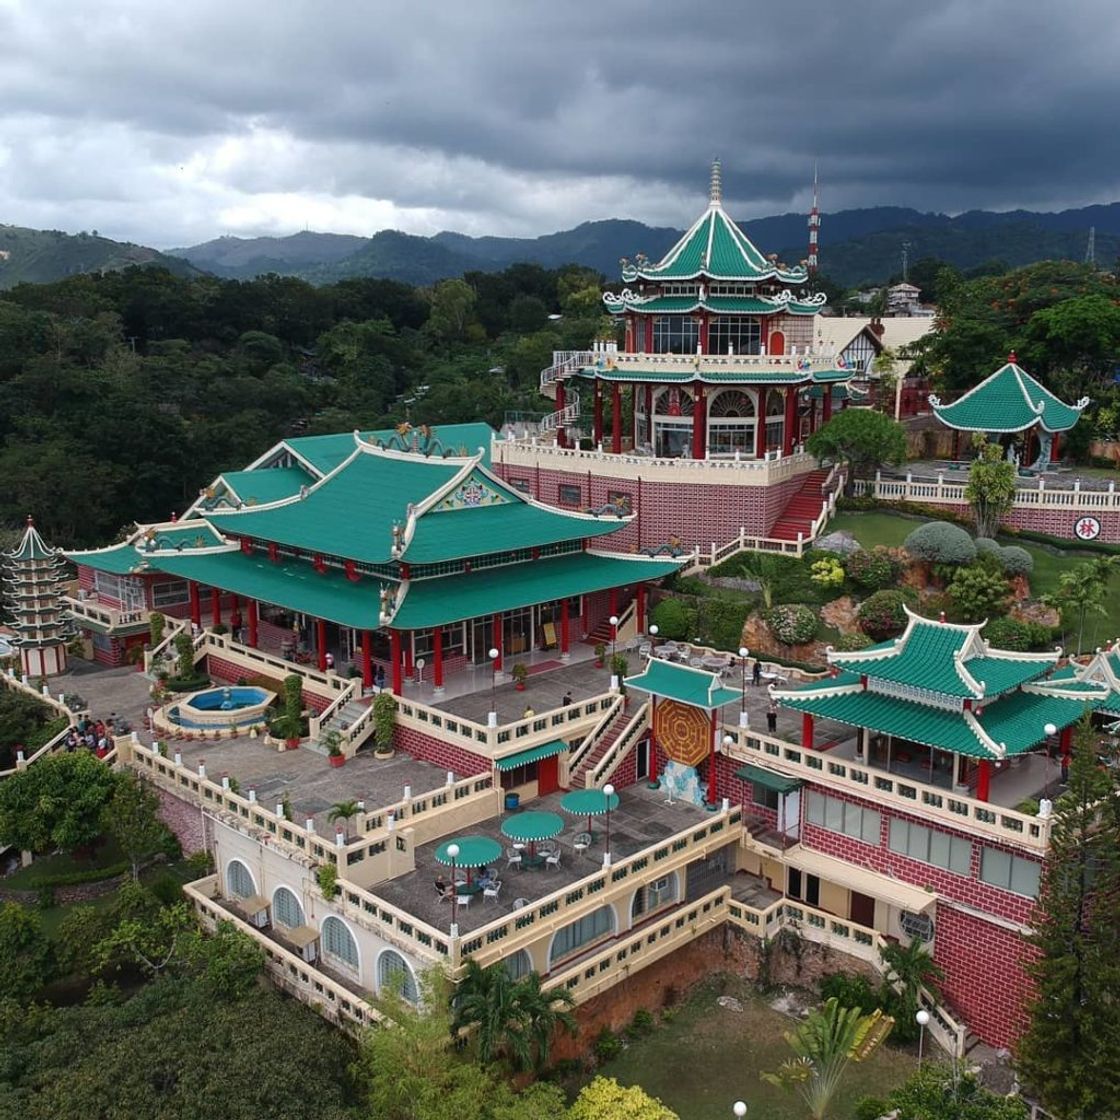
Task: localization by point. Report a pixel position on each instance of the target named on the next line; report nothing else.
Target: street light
(608, 791)
(739, 1109)
(494, 655)
(744, 719)
(922, 1019)
(613, 620)
(653, 631)
(453, 855)
(1048, 730)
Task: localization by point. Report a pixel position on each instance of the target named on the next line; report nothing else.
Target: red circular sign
(1087, 529)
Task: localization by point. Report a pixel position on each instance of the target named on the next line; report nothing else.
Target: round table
(589, 803)
(474, 851)
(531, 827)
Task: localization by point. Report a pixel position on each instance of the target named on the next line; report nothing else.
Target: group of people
(485, 879)
(94, 735)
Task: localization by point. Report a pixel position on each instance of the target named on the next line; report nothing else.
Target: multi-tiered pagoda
(34, 576)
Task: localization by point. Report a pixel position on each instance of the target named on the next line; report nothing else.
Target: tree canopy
(862, 438)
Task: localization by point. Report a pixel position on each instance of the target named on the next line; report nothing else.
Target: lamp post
(1049, 730)
(613, 620)
(453, 855)
(494, 655)
(922, 1019)
(653, 631)
(608, 791)
(744, 719)
(739, 1109)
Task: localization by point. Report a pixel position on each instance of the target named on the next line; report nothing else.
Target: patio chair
(645, 649)
(463, 900)
(513, 859)
(581, 842)
(520, 903)
(491, 892)
(552, 859)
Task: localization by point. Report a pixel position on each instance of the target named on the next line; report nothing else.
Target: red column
(713, 792)
(826, 405)
(983, 779)
(1055, 453)
(616, 418)
(252, 609)
(629, 343)
(395, 658)
(640, 608)
(215, 607)
(498, 641)
(812, 415)
(1065, 739)
(321, 643)
(564, 626)
(597, 418)
(234, 613)
(409, 667)
(633, 417)
(790, 421)
(760, 429)
(437, 656)
(367, 661)
(703, 333)
(698, 418)
(196, 603)
(653, 764)
(647, 346)
(807, 731)
(561, 402)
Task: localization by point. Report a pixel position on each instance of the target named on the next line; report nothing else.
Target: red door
(548, 775)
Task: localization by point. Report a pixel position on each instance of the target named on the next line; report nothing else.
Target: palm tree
(513, 1018)
(823, 1045)
(343, 811)
(1082, 590)
(764, 568)
(909, 969)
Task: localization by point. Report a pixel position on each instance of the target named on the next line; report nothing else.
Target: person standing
(772, 717)
(756, 673)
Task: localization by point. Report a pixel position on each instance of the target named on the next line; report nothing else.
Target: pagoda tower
(33, 586)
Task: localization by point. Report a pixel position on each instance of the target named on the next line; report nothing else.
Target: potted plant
(293, 709)
(520, 673)
(619, 668)
(600, 653)
(332, 740)
(384, 716)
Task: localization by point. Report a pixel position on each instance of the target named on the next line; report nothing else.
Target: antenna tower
(906, 247)
(814, 227)
(1091, 247)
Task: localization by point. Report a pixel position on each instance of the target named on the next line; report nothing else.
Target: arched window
(673, 402)
(654, 895)
(775, 419)
(731, 423)
(731, 403)
(286, 908)
(581, 932)
(518, 965)
(239, 880)
(338, 943)
(395, 975)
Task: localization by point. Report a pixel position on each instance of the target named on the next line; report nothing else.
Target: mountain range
(857, 247)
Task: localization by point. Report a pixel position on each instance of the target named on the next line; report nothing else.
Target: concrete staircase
(346, 716)
(577, 779)
(802, 509)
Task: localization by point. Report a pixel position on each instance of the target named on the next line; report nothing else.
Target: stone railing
(1039, 496)
(351, 690)
(288, 971)
(173, 627)
(515, 931)
(980, 818)
(89, 609)
(269, 664)
(609, 715)
(395, 925)
(604, 769)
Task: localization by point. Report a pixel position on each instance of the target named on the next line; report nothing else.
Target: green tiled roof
(697, 687)
(267, 484)
(432, 602)
(715, 246)
(352, 512)
(325, 453)
(133, 556)
(718, 305)
(194, 533)
(457, 534)
(31, 546)
(119, 560)
(1009, 400)
(533, 754)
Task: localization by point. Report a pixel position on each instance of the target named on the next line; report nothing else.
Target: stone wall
(446, 755)
(183, 818)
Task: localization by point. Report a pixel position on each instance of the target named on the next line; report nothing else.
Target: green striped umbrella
(474, 851)
(533, 826)
(589, 803)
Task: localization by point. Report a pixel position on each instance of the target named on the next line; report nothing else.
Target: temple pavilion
(389, 549)
(941, 701)
(719, 356)
(1010, 402)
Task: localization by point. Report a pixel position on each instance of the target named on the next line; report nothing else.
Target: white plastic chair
(581, 842)
(553, 859)
(513, 859)
(491, 892)
(463, 900)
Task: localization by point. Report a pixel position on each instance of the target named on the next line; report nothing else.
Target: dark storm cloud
(170, 122)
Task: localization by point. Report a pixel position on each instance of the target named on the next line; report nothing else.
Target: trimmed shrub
(828, 572)
(883, 615)
(1016, 561)
(986, 546)
(675, 620)
(978, 592)
(850, 990)
(940, 542)
(848, 643)
(791, 623)
(875, 570)
(720, 622)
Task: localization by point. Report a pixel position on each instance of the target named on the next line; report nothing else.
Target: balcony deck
(642, 819)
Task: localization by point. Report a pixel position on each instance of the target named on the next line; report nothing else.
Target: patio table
(532, 827)
(589, 803)
(474, 851)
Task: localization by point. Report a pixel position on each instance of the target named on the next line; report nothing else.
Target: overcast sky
(170, 123)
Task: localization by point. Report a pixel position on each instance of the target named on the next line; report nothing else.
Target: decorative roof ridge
(848, 688)
(392, 599)
(671, 256)
(316, 472)
(978, 688)
(1067, 690)
(1018, 373)
(229, 488)
(996, 750)
(1100, 660)
(1079, 406)
(676, 667)
(935, 399)
(441, 491)
(206, 550)
(636, 556)
(368, 447)
(1015, 655)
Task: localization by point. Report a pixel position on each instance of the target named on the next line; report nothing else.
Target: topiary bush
(875, 569)
(791, 623)
(1016, 561)
(940, 542)
(674, 619)
(828, 572)
(977, 592)
(986, 546)
(883, 615)
(848, 643)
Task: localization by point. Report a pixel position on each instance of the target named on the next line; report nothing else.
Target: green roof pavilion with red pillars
(719, 352)
(1010, 402)
(941, 690)
(397, 544)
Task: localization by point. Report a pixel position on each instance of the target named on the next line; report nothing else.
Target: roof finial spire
(715, 190)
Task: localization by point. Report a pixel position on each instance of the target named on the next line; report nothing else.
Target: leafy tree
(674, 619)
(25, 953)
(227, 962)
(452, 307)
(1081, 591)
(514, 1019)
(57, 803)
(940, 542)
(882, 615)
(605, 1099)
(1068, 1054)
(991, 486)
(151, 943)
(937, 1092)
(862, 438)
(823, 1046)
(131, 817)
(765, 569)
(978, 592)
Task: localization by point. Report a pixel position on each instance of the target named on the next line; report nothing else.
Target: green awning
(533, 754)
(767, 778)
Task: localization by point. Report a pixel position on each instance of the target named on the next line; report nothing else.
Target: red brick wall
(183, 818)
(741, 792)
(447, 756)
(984, 974)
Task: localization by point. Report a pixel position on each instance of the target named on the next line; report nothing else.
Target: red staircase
(577, 779)
(602, 631)
(801, 510)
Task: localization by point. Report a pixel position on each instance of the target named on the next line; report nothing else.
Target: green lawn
(708, 1057)
(889, 529)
